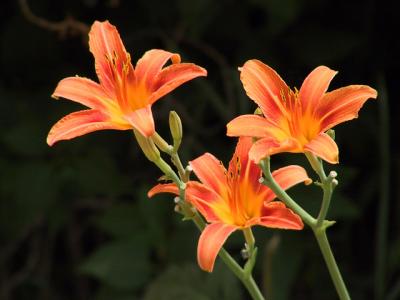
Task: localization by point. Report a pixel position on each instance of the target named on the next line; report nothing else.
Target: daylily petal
(287, 177)
(314, 87)
(211, 172)
(206, 201)
(248, 171)
(197, 194)
(343, 104)
(324, 147)
(151, 63)
(265, 87)
(173, 76)
(83, 91)
(255, 126)
(267, 146)
(170, 188)
(80, 123)
(211, 240)
(276, 215)
(142, 120)
(109, 52)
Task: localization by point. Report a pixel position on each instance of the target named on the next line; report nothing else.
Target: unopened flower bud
(258, 111)
(148, 147)
(333, 174)
(331, 133)
(160, 143)
(175, 126)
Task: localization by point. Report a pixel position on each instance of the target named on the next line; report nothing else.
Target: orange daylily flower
(295, 121)
(235, 199)
(123, 98)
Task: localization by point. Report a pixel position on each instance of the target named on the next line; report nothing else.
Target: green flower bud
(258, 111)
(148, 147)
(175, 126)
(331, 133)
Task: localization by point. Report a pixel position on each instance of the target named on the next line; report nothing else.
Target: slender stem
(282, 195)
(326, 200)
(320, 235)
(249, 237)
(317, 165)
(178, 164)
(328, 183)
(318, 226)
(165, 147)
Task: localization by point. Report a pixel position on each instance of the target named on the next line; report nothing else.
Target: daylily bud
(161, 143)
(258, 111)
(331, 133)
(175, 126)
(148, 147)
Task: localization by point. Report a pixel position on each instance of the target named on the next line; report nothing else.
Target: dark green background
(75, 222)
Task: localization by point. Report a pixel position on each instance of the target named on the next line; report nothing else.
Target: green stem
(282, 195)
(318, 226)
(320, 235)
(178, 164)
(249, 237)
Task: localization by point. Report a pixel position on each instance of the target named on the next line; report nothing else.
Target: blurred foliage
(75, 222)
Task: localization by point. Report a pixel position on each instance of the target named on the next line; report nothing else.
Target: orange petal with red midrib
(287, 177)
(265, 87)
(173, 76)
(276, 215)
(314, 87)
(254, 126)
(324, 147)
(211, 240)
(106, 45)
(80, 123)
(211, 172)
(83, 91)
(267, 146)
(196, 193)
(151, 63)
(142, 120)
(343, 104)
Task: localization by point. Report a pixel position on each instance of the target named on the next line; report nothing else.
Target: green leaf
(123, 264)
(189, 282)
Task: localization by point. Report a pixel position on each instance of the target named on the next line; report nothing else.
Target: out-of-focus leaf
(107, 293)
(189, 282)
(120, 220)
(27, 191)
(317, 40)
(197, 15)
(96, 173)
(285, 261)
(123, 264)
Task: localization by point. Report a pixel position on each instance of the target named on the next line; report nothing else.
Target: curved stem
(270, 182)
(318, 226)
(320, 235)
